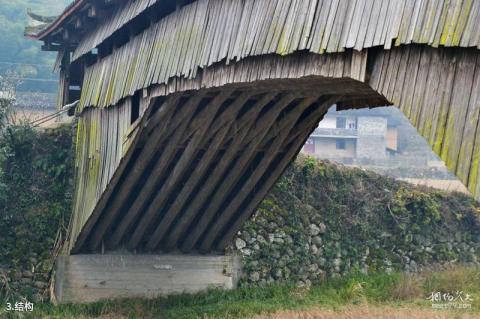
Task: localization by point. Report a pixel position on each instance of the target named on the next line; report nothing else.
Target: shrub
(35, 200)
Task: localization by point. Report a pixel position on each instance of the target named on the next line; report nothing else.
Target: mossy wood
(190, 110)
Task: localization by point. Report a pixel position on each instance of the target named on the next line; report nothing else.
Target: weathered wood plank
(204, 120)
(206, 161)
(294, 143)
(466, 160)
(458, 108)
(282, 129)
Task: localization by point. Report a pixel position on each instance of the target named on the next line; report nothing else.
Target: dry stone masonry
(322, 220)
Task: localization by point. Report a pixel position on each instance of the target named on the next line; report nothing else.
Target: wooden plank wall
(99, 149)
(350, 64)
(117, 19)
(214, 43)
(209, 31)
(402, 74)
(439, 91)
(62, 87)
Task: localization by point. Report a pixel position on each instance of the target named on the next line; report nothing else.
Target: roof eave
(68, 12)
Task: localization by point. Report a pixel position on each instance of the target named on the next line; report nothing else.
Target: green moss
(37, 174)
(360, 210)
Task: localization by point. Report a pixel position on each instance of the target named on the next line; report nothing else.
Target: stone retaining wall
(326, 220)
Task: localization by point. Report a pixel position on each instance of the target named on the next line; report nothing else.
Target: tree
(8, 84)
(21, 54)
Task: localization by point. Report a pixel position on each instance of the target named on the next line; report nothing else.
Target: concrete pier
(89, 278)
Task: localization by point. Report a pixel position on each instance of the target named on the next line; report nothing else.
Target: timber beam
(202, 160)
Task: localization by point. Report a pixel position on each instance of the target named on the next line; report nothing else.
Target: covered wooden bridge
(191, 110)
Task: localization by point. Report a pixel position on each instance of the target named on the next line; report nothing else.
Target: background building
(382, 140)
(348, 136)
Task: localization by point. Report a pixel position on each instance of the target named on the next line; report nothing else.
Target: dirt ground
(369, 312)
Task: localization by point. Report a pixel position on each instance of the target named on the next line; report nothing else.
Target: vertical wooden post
(65, 73)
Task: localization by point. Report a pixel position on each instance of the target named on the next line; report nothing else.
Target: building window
(340, 144)
(341, 122)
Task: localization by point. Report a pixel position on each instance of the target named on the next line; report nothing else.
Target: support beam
(237, 139)
(294, 142)
(211, 151)
(282, 130)
(172, 135)
(165, 111)
(232, 176)
(147, 154)
(204, 119)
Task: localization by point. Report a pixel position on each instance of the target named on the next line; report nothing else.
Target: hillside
(19, 53)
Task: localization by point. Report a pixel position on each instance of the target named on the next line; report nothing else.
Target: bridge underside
(188, 114)
(196, 163)
(203, 160)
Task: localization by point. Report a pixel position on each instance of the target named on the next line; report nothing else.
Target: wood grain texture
(178, 177)
(196, 36)
(439, 92)
(147, 209)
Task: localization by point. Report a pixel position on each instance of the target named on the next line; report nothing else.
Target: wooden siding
(209, 31)
(439, 91)
(244, 47)
(62, 87)
(319, 25)
(99, 149)
(117, 19)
